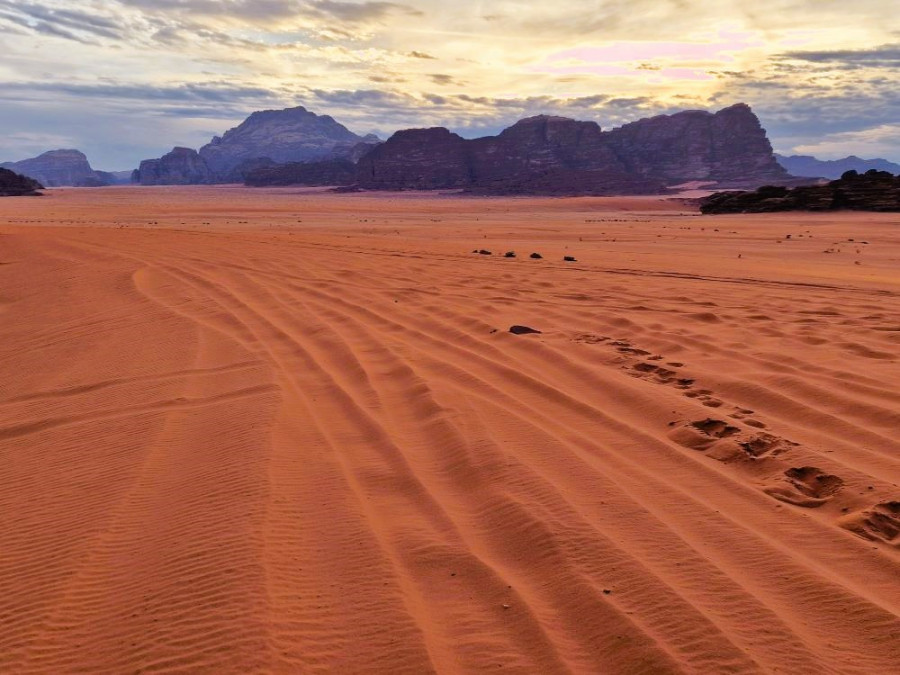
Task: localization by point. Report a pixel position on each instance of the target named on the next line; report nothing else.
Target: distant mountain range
(58, 168)
(538, 155)
(805, 165)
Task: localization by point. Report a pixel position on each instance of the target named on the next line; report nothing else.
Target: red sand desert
(289, 431)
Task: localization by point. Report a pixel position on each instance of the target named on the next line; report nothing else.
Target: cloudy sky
(125, 80)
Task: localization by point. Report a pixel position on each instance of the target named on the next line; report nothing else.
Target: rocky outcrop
(805, 165)
(13, 184)
(556, 155)
(728, 147)
(332, 172)
(290, 135)
(181, 166)
(418, 159)
(59, 168)
(871, 191)
(265, 138)
(538, 155)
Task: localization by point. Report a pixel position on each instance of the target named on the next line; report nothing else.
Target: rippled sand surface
(290, 431)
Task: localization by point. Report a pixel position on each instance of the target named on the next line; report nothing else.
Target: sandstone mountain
(805, 165)
(557, 155)
(181, 166)
(872, 191)
(58, 168)
(13, 184)
(728, 147)
(265, 137)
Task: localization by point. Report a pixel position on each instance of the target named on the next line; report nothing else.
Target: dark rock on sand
(13, 184)
(522, 330)
(871, 191)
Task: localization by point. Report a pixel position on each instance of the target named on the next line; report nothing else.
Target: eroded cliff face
(556, 155)
(59, 168)
(538, 155)
(418, 159)
(181, 166)
(729, 147)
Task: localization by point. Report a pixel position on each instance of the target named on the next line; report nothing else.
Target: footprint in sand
(878, 523)
(806, 486)
(656, 373)
(702, 434)
(726, 442)
(761, 445)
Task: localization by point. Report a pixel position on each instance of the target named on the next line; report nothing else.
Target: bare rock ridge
(555, 155)
(265, 137)
(13, 184)
(729, 146)
(872, 191)
(60, 168)
(805, 165)
(181, 166)
(539, 155)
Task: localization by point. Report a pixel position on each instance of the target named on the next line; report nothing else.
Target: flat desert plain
(285, 430)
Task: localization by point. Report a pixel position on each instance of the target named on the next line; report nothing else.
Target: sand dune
(288, 431)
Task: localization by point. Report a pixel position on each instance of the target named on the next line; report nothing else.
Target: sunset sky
(124, 80)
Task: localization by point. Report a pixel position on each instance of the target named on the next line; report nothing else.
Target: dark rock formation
(59, 168)
(804, 165)
(728, 147)
(181, 166)
(522, 330)
(418, 159)
(539, 155)
(559, 156)
(871, 191)
(328, 172)
(290, 135)
(13, 184)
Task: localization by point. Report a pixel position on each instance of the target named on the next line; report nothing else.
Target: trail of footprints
(731, 442)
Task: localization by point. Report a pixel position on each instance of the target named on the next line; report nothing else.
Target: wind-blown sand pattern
(283, 431)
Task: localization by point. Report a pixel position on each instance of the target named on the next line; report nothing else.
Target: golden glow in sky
(822, 76)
